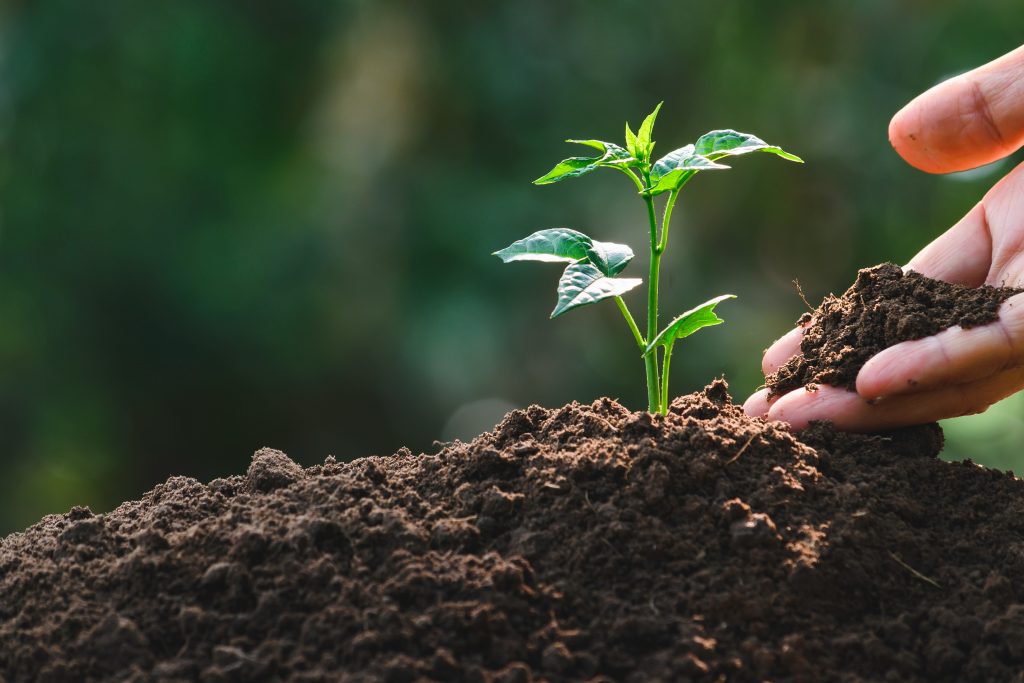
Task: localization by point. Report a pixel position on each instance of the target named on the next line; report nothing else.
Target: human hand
(962, 123)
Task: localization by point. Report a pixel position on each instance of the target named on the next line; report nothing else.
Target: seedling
(591, 275)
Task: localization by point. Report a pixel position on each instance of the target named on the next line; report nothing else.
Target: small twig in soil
(800, 291)
(743, 448)
(913, 571)
(607, 424)
(612, 546)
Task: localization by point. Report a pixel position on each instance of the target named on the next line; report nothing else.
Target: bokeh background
(225, 225)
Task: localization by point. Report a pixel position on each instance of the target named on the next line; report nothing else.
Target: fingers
(799, 407)
(961, 255)
(953, 356)
(850, 412)
(987, 245)
(967, 121)
(784, 348)
(956, 372)
(757, 405)
(1003, 207)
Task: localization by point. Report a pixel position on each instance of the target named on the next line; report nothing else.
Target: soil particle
(586, 543)
(271, 470)
(884, 307)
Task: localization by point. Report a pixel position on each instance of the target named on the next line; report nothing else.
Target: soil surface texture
(884, 307)
(587, 543)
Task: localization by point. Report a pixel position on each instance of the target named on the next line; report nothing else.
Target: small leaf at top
(688, 323)
(682, 159)
(721, 143)
(596, 144)
(551, 245)
(631, 142)
(675, 168)
(568, 168)
(584, 283)
(573, 167)
(612, 153)
(643, 136)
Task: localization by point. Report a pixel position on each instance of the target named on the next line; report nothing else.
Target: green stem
(667, 218)
(632, 323)
(651, 366)
(664, 377)
(662, 244)
(651, 360)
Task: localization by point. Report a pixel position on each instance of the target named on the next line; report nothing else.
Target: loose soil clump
(587, 543)
(884, 307)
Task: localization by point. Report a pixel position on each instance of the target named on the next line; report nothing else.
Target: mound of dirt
(583, 543)
(884, 307)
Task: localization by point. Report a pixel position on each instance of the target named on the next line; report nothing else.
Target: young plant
(591, 273)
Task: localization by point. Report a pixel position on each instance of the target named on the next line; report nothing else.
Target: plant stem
(651, 360)
(669, 205)
(664, 377)
(651, 366)
(632, 323)
(662, 244)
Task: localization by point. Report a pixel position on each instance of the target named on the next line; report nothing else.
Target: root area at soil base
(883, 307)
(583, 543)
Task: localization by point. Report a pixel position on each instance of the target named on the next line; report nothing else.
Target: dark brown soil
(884, 307)
(584, 543)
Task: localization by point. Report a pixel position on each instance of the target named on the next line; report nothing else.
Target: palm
(970, 120)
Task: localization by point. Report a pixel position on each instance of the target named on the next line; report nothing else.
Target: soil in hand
(884, 307)
(587, 543)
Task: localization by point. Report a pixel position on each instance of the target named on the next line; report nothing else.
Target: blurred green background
(225, 225)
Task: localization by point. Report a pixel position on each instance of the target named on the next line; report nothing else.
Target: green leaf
(563, 244)
(672, 170)
(568, 168)
(611, 153)
(584, 283)
(631, 142)
(573, 167)
(601, 145)
(596, 144)
(722, 143)
(609, 257)
(552, 245)
(644, 142)
(688, 323)
(682, 159)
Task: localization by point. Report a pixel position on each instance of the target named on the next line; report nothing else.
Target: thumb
(967, 121)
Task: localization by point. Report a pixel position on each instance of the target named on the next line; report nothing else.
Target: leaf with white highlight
(583, 283)
(722, 143)
(675, 168)
(551, 245)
